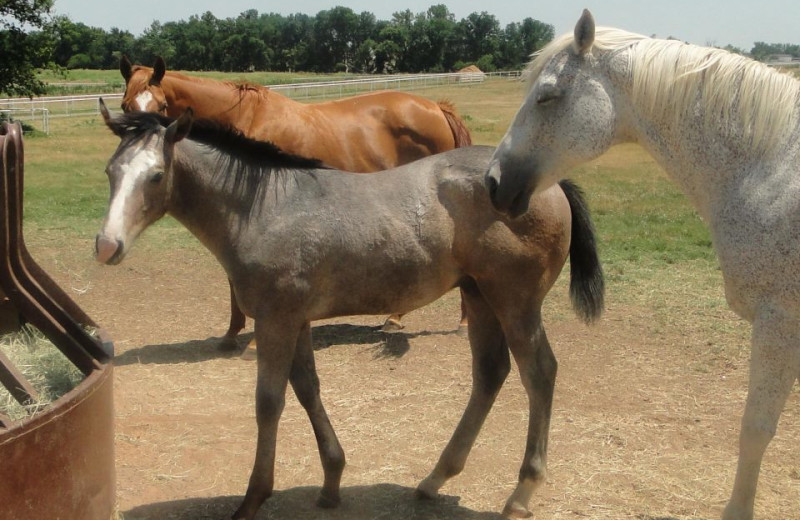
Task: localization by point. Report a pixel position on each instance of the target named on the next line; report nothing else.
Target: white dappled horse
(727, 130)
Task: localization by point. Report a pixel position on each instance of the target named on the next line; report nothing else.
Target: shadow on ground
(385, 345)
(384, 501)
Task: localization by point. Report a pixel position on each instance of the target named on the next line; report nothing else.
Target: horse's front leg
(537, 368)
(774, 367)
(277, 339)
(306, 386)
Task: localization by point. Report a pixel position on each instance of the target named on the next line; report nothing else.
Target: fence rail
(46, 108)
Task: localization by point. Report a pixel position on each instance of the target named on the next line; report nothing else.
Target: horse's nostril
(107, 250)
(491, 186)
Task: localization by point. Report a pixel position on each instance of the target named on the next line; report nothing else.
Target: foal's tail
(457, 126)
(586, 286)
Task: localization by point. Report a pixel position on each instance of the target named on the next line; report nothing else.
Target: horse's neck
(200, 198)
(263, 115)
(705, 164)
(695, 177)
(216, 202)
(207, 99)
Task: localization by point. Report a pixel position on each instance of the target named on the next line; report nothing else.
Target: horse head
(567, 118)
(143, 90)
(139, 173)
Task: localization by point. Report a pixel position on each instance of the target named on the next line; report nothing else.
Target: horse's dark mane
(224, 138)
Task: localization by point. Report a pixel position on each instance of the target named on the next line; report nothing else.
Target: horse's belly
(395, 291)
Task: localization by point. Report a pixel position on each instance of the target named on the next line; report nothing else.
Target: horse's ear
(180, 128)
(103, 110)
(159, 69)
(107, 117)
(126, 68)
(584, 33)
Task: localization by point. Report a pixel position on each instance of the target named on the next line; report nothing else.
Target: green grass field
(85, 81)
(656, 251)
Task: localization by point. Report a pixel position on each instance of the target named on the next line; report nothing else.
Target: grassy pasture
(85, 81)
(656, 250)
(662, 277)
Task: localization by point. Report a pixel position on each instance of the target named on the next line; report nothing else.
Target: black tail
(586, 286)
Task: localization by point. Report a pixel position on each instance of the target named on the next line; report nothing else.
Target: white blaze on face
(143, 99)
(133, 175)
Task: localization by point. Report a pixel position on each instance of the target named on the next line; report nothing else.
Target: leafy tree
(520, 40)
(117, 43)
(333, 40)
(761, 51)
(293, 48)
(196, 43)
(155, 42)
(22, 51)
(334, 37)
(77, 45)
(480, 33)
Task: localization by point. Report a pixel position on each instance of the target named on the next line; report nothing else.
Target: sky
(740, 23)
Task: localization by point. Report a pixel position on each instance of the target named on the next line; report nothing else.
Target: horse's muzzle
(107, 251)
(506, 198)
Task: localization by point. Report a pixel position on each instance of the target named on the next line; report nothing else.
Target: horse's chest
(757, 240)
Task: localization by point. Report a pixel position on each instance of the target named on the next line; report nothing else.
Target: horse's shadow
(385, 501)
(384, 344)
(649, 517)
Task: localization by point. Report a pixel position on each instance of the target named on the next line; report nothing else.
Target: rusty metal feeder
(59, 463)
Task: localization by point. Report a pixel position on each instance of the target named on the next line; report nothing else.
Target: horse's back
(385, 129)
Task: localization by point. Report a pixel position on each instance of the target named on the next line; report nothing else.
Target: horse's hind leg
(774, 367)
(393, 323)
(228, 341)
(464, 321)
(306, 386)
(537, 367)
(490, 366)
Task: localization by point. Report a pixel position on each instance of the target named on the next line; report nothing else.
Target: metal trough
(59, 463)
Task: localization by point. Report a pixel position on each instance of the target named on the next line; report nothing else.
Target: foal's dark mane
(225, 139)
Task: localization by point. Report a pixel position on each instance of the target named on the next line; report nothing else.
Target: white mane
(672, 80)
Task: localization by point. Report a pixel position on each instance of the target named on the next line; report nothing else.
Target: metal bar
(15, 382)
(18, 271)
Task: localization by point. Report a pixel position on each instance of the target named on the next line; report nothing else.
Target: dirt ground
(644, 425)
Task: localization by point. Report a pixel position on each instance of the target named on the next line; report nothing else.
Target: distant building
(782, 60)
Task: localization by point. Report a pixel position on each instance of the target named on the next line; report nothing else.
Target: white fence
(44, 108)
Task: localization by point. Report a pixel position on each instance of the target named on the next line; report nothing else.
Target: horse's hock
(58, 463)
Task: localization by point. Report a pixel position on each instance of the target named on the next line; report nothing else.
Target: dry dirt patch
(644, 425)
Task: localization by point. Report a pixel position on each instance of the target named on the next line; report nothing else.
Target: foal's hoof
(421, 494)
(391, 325)
(513, 510)
(249, 353)
(228, 344)
(462, 331)
(426, 491)
(326, 501)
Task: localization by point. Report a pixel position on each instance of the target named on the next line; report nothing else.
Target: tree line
(334, 40)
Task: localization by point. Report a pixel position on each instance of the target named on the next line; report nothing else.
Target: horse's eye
(547, 96)
(156, 178)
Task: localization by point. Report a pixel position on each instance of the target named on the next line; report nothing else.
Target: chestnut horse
(364, 134)
(302, 244)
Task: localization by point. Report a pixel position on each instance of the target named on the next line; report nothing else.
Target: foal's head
(139, 175)
(143, 86)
